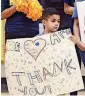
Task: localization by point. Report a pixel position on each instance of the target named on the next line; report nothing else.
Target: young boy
(50, 20)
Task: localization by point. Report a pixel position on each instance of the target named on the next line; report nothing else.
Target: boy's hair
(48, 12)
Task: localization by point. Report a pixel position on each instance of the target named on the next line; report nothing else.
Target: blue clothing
(82, 53)
(18, 24)
(75, 14)
(79, 0)
(70, 3)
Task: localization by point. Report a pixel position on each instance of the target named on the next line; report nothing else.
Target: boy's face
(52, 23)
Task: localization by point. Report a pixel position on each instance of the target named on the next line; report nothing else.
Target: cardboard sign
(45, 65)
(2, 42)
(81, 17)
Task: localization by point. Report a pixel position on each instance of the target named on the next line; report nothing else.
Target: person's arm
(76, 28)
(76, 31)
(68, 9)
(80, 44)
(8, 12)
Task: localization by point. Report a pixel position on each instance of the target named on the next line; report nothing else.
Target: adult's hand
(8, 12)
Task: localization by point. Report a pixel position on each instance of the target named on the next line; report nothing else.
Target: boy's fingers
(5, 48)
(71, 38)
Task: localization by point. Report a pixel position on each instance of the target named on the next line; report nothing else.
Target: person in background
(77, 38)
(17, 24)
(77, 31)
(68, 9)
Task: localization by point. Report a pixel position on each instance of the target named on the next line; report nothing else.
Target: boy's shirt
(41, 29)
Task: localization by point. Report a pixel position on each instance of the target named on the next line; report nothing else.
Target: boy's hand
(5, 49)
(74, 39)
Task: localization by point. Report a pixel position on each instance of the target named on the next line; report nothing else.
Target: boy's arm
(8, 12)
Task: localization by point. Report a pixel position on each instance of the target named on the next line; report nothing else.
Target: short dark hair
(48, 12)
